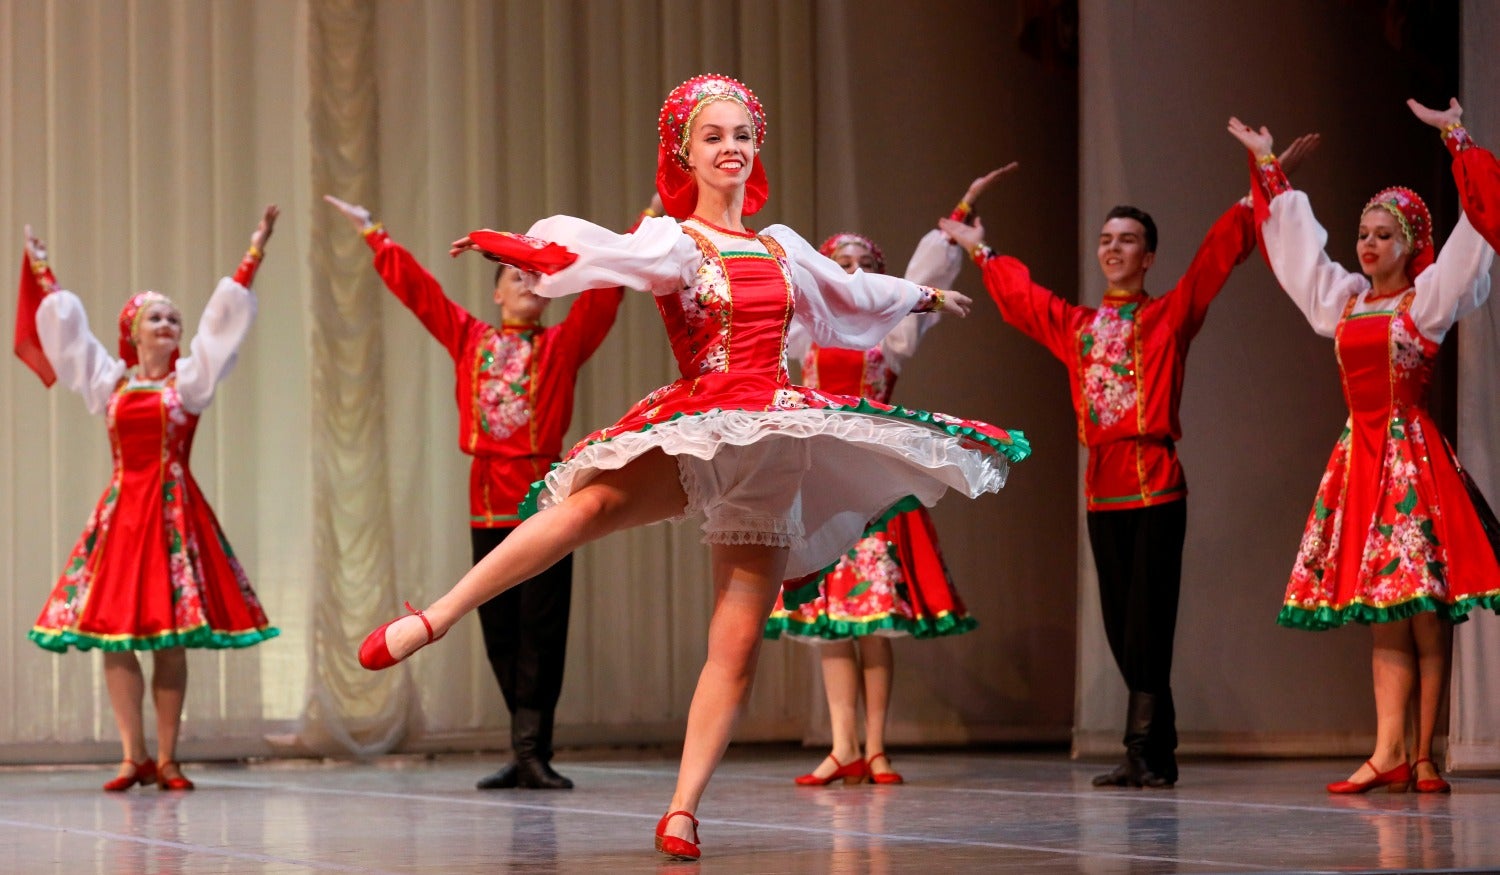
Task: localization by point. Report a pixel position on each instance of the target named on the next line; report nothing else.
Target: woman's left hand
(262, 233)
(957, 303)
(1440, 119)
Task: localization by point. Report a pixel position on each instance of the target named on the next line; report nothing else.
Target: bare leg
(746, 578)
(879, 662)
(1432, 637)
(841, 684)
(645, 491)
(168, 691)
(1394, 666)
(127, 689)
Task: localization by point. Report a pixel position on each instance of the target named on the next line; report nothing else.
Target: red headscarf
(832, 244)
(674, 182)
(1415, 221)
(130, 318)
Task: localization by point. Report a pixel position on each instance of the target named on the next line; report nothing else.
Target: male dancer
(515, 401)
(1126, 359)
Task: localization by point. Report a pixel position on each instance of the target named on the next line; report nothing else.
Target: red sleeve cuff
(1457, 140)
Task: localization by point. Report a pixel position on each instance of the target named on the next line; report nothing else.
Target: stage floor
(960, 812)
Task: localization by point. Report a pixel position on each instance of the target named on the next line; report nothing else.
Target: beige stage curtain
(1474, 719)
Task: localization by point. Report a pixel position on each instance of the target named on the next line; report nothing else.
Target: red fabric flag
(526, 253)
(28, 344)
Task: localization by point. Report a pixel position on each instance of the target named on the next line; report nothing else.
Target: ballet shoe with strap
(672, 846)
(891, 777)
(143, 773)
(375, 654)
(855, 771)
(177, 782)
(1395, 780)
(1430, 785)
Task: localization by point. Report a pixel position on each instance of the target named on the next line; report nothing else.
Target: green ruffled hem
(838, 630)
(199, 637)
(1327, 617)
(792, 599)
(1017, 449)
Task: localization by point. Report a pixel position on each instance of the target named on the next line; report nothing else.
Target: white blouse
(84, 365)
(1456, 284)
(855, 311)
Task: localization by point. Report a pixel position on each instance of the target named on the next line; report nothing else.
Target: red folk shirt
(514, 385)
(1126, 359)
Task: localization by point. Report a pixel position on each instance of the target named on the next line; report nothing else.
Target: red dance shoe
(375, 655)
(178, 782)
(891, 777)
(1394, 781)
(144, 774)
(1430, 785)
(672, 846)
(853, 772)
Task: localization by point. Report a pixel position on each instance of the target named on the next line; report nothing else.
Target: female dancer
(893, 582)
(1395, 539)
(152, 570)
(787, 476)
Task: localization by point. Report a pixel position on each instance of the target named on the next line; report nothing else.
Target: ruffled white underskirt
(861, 466)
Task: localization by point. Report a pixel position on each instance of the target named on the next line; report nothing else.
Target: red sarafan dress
(742, 432)
(1396, 528)
(152, 568)
(894, 581)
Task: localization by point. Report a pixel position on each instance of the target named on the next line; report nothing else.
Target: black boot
(1136, 770)
(531, 736)
(503, 779)
(1161, 750)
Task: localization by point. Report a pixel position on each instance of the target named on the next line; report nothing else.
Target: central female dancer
(787, 476)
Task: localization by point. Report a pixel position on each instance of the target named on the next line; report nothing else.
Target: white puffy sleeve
(849, 310)
(1456, 284)
(80, 360)
(213, 351)
(657, 257)
(1295, 247)
(935, 263)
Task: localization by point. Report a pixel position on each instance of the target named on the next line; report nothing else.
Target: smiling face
(516, 303)
(1122, 253)
(1383, 251)
(721, 146)
(158, 329)
(855, 256)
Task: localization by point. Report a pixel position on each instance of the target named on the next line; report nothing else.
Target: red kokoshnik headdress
(832, 244)
(674, 182)
(130, 318)
(1415, 221)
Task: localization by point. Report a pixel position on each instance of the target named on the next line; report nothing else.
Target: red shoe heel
(145, 774)
(853, 772)
(891, 777)
(1395, 781)
(180, 782)
(375, 655)
(1430, 785)
(672, 846)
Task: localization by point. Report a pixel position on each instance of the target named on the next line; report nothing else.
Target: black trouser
(526, 639)
(1138, 554)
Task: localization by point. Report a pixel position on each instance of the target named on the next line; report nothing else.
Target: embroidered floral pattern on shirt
(1107, 347)
(1407, 352)
(503, 383)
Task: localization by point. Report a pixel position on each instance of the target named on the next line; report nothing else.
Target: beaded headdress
(1415, 221)
(832, 244)
(674, 182)
(130, 318)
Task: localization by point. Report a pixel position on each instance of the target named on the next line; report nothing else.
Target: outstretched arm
(1032, 309)
(592, 316)
(245, 274)
(409, 281)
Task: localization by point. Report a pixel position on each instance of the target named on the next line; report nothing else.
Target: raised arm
(1295, 242)
(225, 323)
(1030, 308)
(409, 281)
(1475, 170)
(1228, 243)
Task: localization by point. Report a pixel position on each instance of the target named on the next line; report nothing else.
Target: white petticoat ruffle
(861, 465)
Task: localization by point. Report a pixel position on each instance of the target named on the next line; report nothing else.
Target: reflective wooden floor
(1032, 813)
